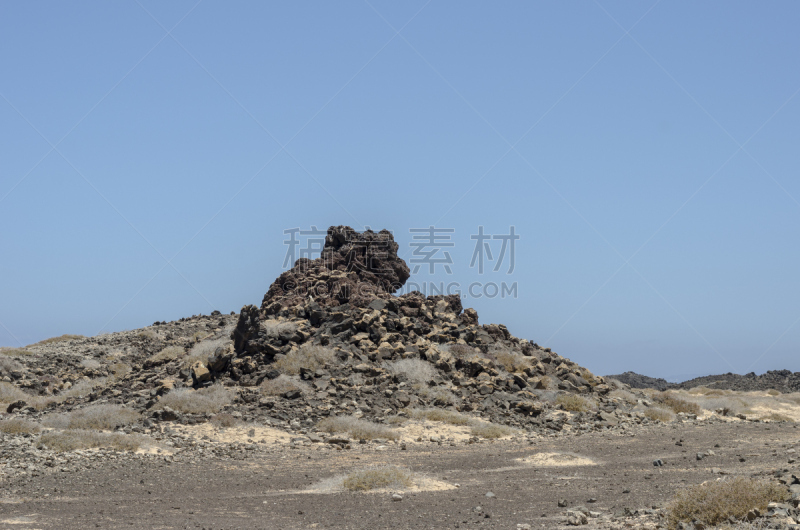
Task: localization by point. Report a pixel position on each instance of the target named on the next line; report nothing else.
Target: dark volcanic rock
(635, 380)
(354, 268)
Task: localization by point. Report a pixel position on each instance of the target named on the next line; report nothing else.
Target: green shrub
(712, 503)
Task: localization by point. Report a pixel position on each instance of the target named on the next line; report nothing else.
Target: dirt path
(527, 481)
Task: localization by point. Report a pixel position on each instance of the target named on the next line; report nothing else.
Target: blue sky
(646, 153)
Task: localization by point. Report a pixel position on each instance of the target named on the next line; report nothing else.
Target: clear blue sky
(151, 156)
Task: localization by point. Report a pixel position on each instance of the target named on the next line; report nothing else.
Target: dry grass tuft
(7, 364)
(511, 361)
(206, 400)
(119, 370)
(15, 352)
(281, 385)
(91, 364)
(396, 420)
(490, 430)
(712, 503)
(774, 416)
(170, 353)
(677, 404)
(437, 395)
(308, 356)
(388, 477)
(97, 417)
(10, 393)
(61, 338)
(573, 403)
(357, 428)
(773, 392)
(202, 350)
(72, 440)
(416, 370)
(223, 420)
(276, 329)
(659, 414)
(445, 416)
(461, 351)
(19, 426)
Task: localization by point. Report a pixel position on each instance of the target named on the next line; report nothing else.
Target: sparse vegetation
(308, 356)
(461, 351)
(10, 393)
(119, 370)
(91, 364)
(96, 417)
(773, 392)
(19, 426)
(712, 503)
(206, 400)
(659, 414)
(170, 353)
(147, 334)
(490, 430)
(357, 428)
(437, 395)
(416, 370)
(71, 440)
(676, 404)
(388, 477)
(61, 338)
(14, 352)
(202, 350)
(443, 415)
(775, 416)
(224, 420)
(275, 328)
(7, 364)
(281, 385)
(573, 403)
(510, 361)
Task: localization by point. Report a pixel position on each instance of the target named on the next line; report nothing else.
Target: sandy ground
(606, 471)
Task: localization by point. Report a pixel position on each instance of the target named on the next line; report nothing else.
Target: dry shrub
(15, 352)
(202, 350)
(510, 361)
(624, 395)
(490, 430)
(774, 416)
(224, 420)
(7, 364)
(445, 416)
(659, 414)
(773, 392)
(19, 426)
(677, 404)
(356, 427)
(72, 440)
(146, 334)
(10, 393)
(96, 417)
(82, 388)
(206, 400)
(461, 351)
(416, 370)
(276, 329)
(61, 338)
(395, 420)
(573, 403)
(308, 356)
(712, 503)
(437, 395)
(281, 385)
(119, 370)
(170, 353)
(388, 477)
(91, 364)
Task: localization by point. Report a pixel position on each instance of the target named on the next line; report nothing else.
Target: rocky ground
(279, 416)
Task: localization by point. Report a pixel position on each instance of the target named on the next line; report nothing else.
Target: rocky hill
(784, 381)
(329, 338)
